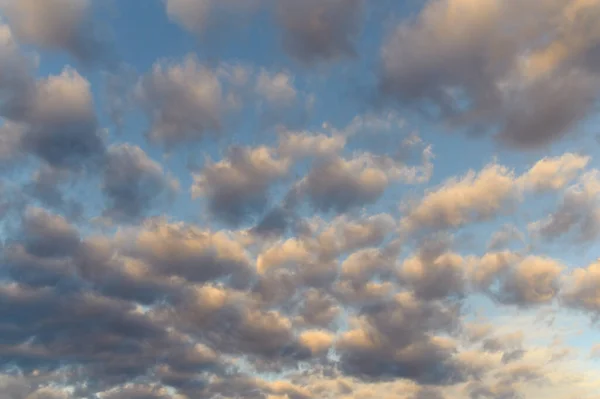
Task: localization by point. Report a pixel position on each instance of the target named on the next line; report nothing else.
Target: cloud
(298, 145)
(320, 30)
(484, 195)
(473, 197)
(60, 122)
(195, 16)
(338, 184)
(133, 182)
(479, 77)
(237, 186)
(503, 237)
(435, 276)
(397, 340)
(184, 101)
(581, 288)
(277, 88)
(65, 25)
(554, 173)
(577, 215)
(312, 31)
(532, 280)
(188, 252)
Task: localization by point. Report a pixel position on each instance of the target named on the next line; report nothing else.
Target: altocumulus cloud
(249, 225)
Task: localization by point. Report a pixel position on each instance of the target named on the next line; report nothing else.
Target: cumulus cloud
(238, 185)
(530, 93)
(339, 184)
(195, 16)
(320, 30)
(475, 196)
(312, 31)
(184, 101)
(484, 195)
(527, 281)
(57, 25)
(186, 251)
(256, 297)
(577, 215)
(397, 340)
(133, 182)
(60, 125)
(276, 88)
(582, 288)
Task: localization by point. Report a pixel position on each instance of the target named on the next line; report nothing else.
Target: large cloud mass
(208, 219)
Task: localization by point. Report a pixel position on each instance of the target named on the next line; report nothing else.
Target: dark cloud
(578, 214)
(339, 185)
(188, 252)
(505, 236)
(185, 101)
(395, 341)
(581, 289)
(47, 186)
(60, 122)
(133, 182)
(65, 25)
(481, 79)
(237, 187)
(321, 30)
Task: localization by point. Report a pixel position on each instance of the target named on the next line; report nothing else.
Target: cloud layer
(277, 222)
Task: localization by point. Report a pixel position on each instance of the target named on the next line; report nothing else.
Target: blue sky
(289, 199)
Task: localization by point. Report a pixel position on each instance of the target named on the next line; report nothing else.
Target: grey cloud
(47, 186)
(581, 289)
(529, 281)
(61, 126)
(429, 393)
(318, 309)
(339, 185)
(325, 30)
(197, 16)
(55, 115)
(578, 214)
(48, 235)
(237, 187)
(58, 25)
(435, 277)
(183, 101)
(396, 341)
(136, 392)
(16, 81)
(504, 236)
(528, 94)
(188, 252)
(133, 182)
(234, 323)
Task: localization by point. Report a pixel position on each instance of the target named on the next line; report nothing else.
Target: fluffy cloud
(475, 196)
(276, 88)
(238, 185)
(578, 214)
(195, 16)
(339, 184)
(313, 31)
(488, 193)
(58, 25)
(184, 101)
(530, 93)
(582, 288)
(320, 30)
(397, 340)
(59, 121)
(133, 182)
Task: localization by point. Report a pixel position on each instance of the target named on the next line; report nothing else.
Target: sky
(299, 199)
